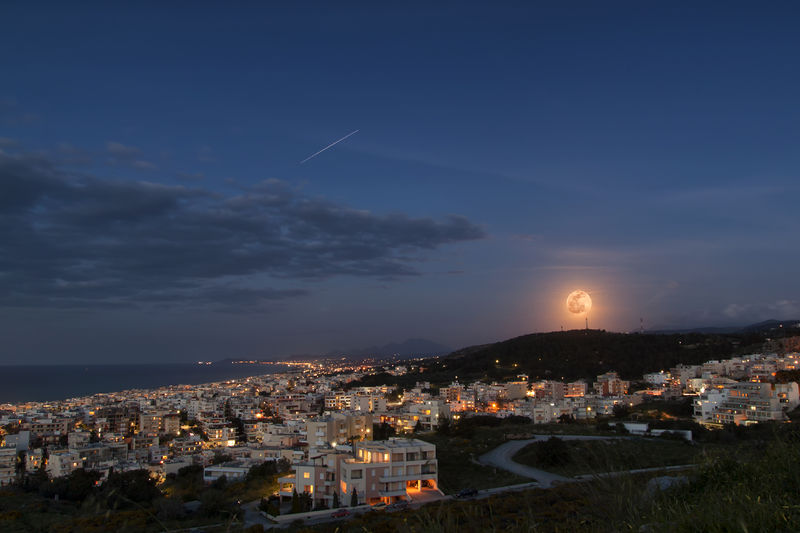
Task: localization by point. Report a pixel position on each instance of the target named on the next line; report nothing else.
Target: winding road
(502, 457)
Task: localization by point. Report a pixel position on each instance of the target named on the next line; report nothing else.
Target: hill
(760, 327)
(584, 354)
(581, 354)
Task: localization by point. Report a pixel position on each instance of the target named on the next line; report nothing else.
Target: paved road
(501, 457)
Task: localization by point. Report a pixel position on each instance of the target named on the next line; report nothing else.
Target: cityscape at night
(399, 267)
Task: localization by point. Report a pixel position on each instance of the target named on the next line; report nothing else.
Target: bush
(553, 452)
(169, 509)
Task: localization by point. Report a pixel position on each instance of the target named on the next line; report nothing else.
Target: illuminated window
(306, 475)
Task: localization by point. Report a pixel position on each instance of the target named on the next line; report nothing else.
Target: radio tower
(641, 325)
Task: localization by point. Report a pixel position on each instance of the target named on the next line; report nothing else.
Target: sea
(43, 383)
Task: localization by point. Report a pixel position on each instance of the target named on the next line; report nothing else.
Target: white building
(387, 471)
(8, 465)
(63, 462)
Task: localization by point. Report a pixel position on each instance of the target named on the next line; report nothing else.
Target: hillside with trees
(581, 354)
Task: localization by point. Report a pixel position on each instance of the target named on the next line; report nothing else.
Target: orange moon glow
(579, 302)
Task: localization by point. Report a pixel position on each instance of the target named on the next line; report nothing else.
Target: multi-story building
(338, 428)
(705, 404)
(609, 384)
(47, 427)
(388, 471)
(549, 390)
(63, 462)
(657, 379)
(576, 389)
(750, 402)
(514, 390)
(429, 413)
(8, 465)
(452, 393)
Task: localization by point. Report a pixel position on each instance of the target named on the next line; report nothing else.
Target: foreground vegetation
(576, 457)
(131, 501)
(749, 486)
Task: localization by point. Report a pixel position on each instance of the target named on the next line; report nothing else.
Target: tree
(77, 486)
(169, 509)
(295, 503)
(125, 489)
(335, 499)
(220, 483)
(354, 498)
(36, 479)
(220, 458)
(262, 471)
(306, 501)
(621, 411)
(213, 502)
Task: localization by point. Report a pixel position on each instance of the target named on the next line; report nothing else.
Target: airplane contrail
(329, 146)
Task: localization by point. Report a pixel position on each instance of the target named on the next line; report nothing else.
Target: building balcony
(390, 493)
(408, 477)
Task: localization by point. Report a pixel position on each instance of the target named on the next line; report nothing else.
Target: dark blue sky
(153, 208)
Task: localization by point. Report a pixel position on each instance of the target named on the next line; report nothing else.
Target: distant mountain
(410, 347)
(766, 325)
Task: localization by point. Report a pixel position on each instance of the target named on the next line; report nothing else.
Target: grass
(600, 456)
(458, 467)
(745, 488)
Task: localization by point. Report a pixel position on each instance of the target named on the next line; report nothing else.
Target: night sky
(153, 206)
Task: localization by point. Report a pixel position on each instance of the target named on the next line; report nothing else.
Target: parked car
(378, 506)
(340, 513)
(398, 506)
(467, 493)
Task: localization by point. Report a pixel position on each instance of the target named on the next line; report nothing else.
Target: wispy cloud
(125, 155)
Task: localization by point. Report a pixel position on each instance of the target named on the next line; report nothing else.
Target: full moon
(579, 302)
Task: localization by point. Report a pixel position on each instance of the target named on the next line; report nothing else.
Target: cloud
(12, 115)
(68, 154)
(189, 176)
(83, 241)
(121, 151)
(779, 310)
(129, 156)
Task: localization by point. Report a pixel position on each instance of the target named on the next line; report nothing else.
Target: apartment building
(750, 403)
(452, 393)
(338, 428)
(706, 403)
(63, 462)
(387, 471)
(8, 465)
(609, 384)
(549, 390)
(514, 390)
(575, 389)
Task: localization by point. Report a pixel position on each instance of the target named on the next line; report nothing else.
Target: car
(378, 506)
(340, 513)
(467, 493)
(398, 506)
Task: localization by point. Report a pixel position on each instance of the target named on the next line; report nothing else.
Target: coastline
(46, 383)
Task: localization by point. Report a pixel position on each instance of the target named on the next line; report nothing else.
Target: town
(334, 443)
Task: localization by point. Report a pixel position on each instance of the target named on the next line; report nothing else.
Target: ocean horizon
(44, 383)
